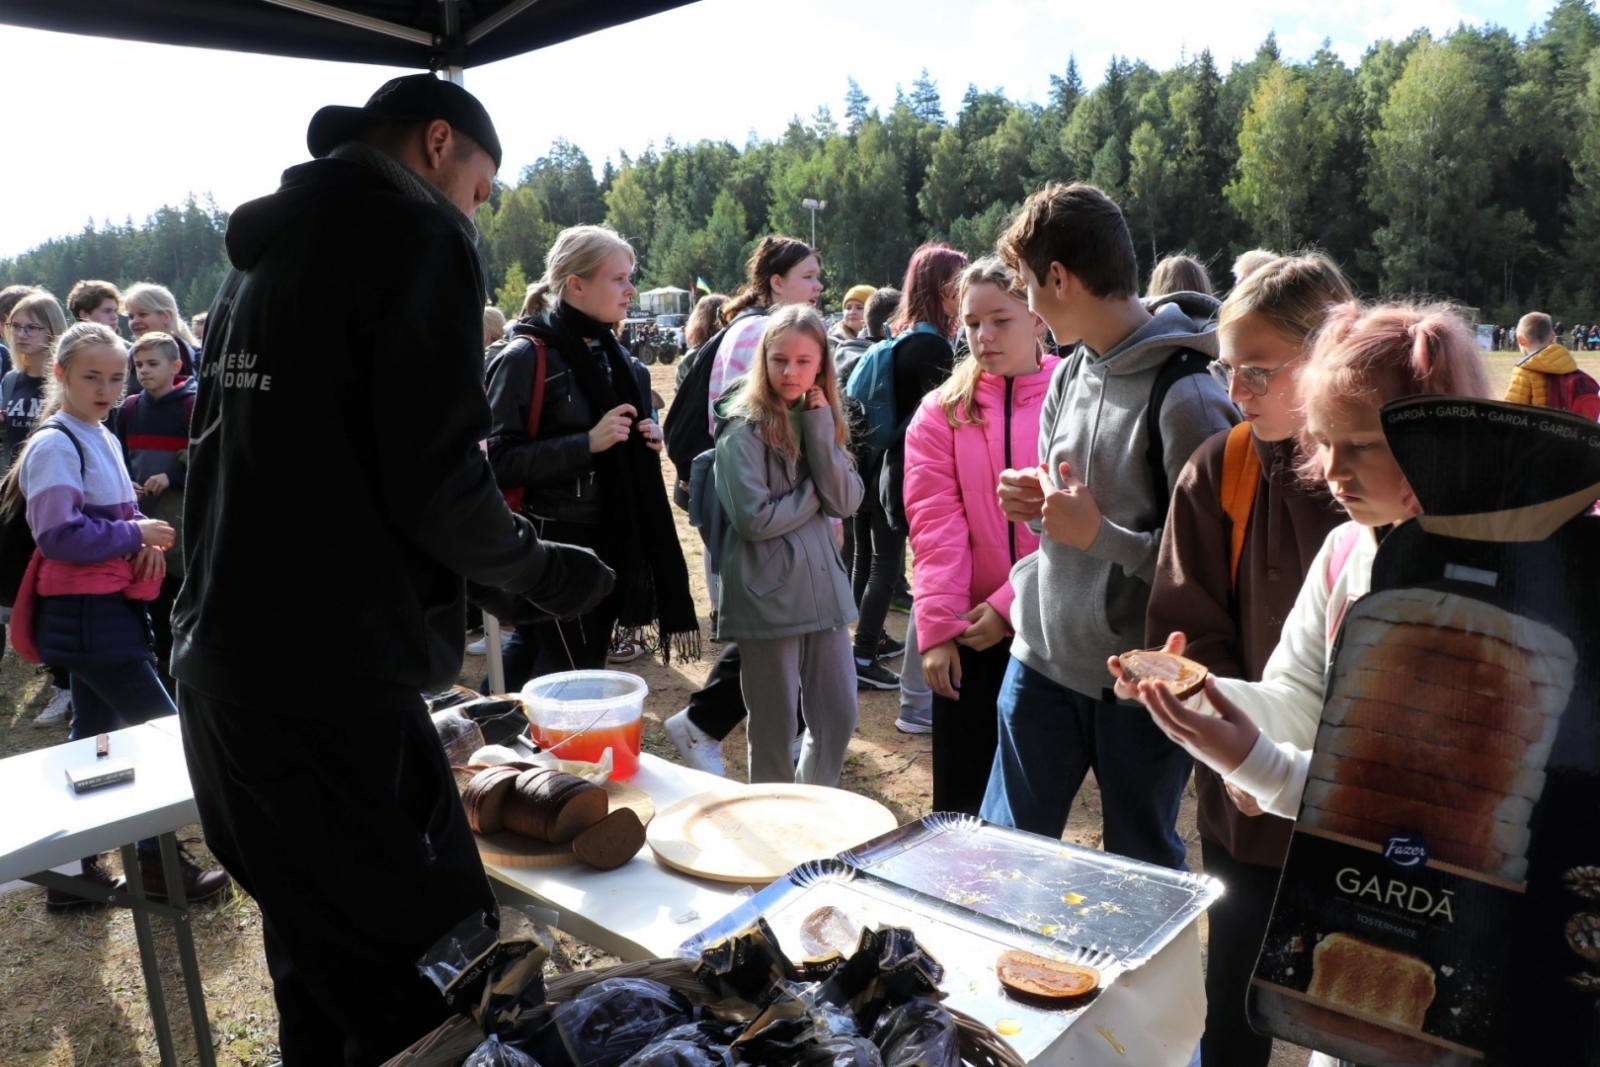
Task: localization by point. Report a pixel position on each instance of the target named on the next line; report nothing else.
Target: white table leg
(497, 664)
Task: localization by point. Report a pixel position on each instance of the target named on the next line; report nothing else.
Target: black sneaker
(900, 602)
(876, 676)
(889, 648)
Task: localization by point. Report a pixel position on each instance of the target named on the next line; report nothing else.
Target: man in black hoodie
(333, 512)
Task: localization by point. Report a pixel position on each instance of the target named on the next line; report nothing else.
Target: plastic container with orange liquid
(577, 715)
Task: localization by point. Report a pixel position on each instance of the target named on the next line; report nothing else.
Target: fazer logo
(1405, 852)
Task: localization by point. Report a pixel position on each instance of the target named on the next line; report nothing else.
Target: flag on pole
(700, 283)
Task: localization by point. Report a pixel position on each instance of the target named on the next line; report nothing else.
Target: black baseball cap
(412, 98)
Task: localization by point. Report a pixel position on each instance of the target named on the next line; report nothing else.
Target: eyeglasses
(1255, 379)
(25, 329)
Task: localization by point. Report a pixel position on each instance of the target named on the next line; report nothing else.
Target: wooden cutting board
(754, 834)
(510, 849)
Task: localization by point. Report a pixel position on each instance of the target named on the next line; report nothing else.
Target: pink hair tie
(1421, 352)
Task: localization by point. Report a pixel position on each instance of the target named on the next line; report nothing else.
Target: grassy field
(71, 993)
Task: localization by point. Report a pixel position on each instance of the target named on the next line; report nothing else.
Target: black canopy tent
(446, 35)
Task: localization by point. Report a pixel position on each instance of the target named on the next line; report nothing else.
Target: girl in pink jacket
(984, 420)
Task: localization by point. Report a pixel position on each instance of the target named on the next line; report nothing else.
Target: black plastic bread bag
(918, 1033)
(501, 719)
(747, 965)
(496, 1053)
(615, 1018)
(890, 967)
(841, 1051)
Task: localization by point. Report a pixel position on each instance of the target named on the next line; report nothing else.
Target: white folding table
(643, 909)
(47, 825)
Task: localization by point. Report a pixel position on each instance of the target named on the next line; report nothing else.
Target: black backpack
(687, 427)
(16, 539)
(1180, 365)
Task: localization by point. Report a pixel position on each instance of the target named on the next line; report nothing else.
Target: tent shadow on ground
(72, 990)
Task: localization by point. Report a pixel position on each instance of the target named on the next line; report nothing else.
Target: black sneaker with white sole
(876, 676)
(889, 648)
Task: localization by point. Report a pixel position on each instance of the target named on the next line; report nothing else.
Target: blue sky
(132, 126)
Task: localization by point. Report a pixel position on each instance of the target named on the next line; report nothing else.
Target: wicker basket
(452, 1042)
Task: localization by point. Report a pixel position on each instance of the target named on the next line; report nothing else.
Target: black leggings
(880, 562)
(967, 731)
(1238, 925)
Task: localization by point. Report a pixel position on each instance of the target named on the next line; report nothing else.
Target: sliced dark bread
(612, 841)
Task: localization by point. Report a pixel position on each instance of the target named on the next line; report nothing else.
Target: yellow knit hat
(859, 292)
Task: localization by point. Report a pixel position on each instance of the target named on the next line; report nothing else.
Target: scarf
(406, 180)
(637, 536)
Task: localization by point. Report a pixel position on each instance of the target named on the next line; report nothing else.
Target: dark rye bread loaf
(484, 798)
(553, 806)
(612, 841)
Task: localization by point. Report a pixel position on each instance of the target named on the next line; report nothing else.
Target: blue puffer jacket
(82, 631)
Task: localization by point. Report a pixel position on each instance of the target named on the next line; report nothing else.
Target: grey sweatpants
(774, 674)
(916, 698)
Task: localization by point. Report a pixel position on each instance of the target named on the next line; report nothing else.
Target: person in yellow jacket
(1541, 357)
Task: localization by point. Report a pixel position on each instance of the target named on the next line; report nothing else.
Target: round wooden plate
(755, 834)
(510, 849)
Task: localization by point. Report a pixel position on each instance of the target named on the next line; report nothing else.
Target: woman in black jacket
(573, 430)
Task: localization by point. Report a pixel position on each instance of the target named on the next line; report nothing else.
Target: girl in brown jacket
(1242, 531)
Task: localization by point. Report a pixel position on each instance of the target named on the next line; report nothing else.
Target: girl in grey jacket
(782, 473)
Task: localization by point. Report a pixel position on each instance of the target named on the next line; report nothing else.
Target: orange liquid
(590, 745)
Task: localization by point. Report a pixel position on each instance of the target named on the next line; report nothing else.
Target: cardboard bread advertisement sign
(1440, 904)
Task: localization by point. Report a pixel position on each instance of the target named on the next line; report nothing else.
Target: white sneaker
(699, 749)
(58, 711)
(480, 647)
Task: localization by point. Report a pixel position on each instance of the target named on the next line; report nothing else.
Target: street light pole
(814, 206)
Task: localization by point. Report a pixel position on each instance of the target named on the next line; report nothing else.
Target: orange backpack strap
(1241, 475)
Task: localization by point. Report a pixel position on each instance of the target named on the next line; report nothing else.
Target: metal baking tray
(969, 890)
(965, 942)
(1064, 893)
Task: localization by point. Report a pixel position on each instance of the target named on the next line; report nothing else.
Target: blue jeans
(1050, 737)
(111, 698)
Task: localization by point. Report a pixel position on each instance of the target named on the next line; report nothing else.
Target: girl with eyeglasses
(1241, 533)
(31, 331)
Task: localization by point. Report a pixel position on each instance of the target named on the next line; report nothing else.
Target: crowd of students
(103, 500)
(1079, 468)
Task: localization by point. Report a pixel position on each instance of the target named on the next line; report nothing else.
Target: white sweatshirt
(1287, 702)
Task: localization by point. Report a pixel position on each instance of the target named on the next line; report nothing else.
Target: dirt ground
(72, 994)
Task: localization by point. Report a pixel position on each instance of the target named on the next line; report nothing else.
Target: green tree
(1431, 177)
(943, 197)
(510, 296)
(1583, 268)
(924, 100)
(977, 235)
(565, 180)
(855, 106)
(1150, 186)
(628, 206)
(725, 245)
(1066, 89)
(520, 232)
(1282, 148)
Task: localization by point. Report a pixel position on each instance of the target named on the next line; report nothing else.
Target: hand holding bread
(1127, 678)
(1221, 741)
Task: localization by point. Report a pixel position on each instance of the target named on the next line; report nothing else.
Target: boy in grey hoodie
(1098, 503)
